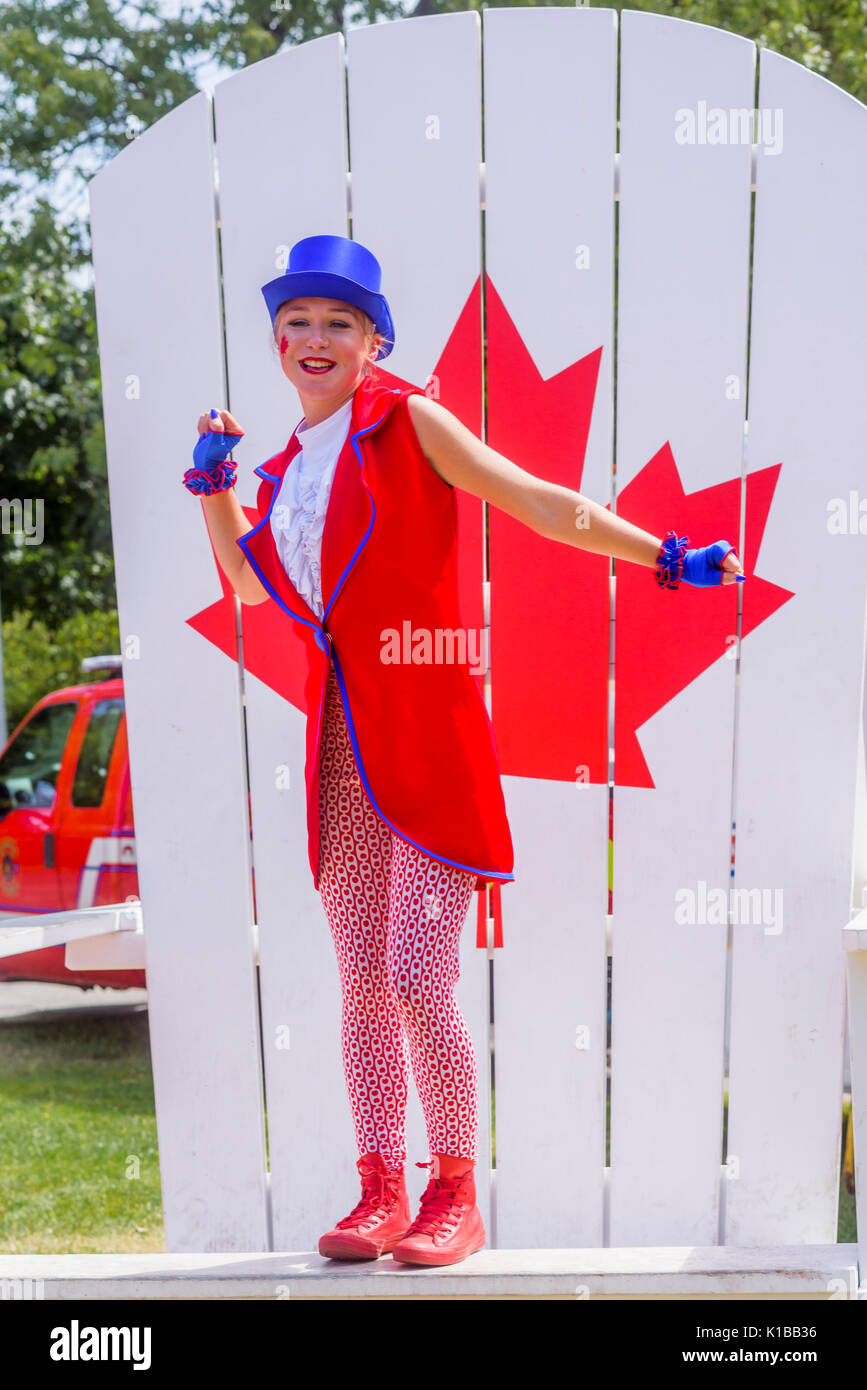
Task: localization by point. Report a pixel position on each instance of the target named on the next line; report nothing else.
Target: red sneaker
(377, 1222)
(449, 1225)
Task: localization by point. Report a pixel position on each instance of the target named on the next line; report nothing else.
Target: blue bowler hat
(334, 267)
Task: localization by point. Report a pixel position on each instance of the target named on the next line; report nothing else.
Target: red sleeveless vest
(420, 730)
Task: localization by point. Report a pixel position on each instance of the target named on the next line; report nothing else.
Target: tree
(78, 81)
(52, 445)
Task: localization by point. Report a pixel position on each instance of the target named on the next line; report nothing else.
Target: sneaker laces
(379, 1192)
(438, 1203)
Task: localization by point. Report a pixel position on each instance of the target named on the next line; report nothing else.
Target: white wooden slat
(802, 671)
(119, 950)
(415, 152)
(160, 339)
(19, 934)
(415, 191)
(788, 1272)
(682, 332)
(549, 190)
(298, 188)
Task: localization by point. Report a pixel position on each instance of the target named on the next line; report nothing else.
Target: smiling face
(323, 345)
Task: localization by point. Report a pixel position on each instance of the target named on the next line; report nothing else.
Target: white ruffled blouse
(298, 514)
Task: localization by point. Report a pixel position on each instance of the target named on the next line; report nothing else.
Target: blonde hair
(370, 332)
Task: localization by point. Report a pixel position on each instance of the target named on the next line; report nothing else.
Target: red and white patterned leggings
(396, 917)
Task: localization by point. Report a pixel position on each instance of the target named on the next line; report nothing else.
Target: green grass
(78, 1139)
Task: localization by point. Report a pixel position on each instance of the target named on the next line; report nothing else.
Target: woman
(406, 816)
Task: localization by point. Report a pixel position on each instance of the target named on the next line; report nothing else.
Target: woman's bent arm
(226, 522)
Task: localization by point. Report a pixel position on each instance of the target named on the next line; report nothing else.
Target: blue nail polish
(740, 578)
(214, 414)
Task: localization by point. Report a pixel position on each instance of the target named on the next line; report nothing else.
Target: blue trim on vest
(363, 542)
(471, 868)
(318, 629)
(271, 477)
(243, 541)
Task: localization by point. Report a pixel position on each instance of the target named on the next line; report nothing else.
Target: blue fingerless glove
(701, 567)
(212, 471)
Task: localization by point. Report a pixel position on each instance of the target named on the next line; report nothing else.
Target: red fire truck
(66, 824)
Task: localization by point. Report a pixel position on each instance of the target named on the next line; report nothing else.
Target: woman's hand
(732, 567)
(213, 471)
(219, 432)
(217, 421)
(712, 564)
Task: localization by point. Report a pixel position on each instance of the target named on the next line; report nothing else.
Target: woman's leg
(428, 905)
(354, 862)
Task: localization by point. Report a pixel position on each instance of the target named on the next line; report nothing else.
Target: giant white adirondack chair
(726, 335)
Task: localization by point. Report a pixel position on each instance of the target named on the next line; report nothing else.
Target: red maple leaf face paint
(284, 343)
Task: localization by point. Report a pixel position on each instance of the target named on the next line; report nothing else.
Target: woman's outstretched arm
(558, 513)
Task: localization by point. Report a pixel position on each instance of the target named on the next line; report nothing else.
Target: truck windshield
(29, 767)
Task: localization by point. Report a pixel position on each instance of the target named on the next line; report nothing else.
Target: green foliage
(80, 78)
(37, 660)
(74, 73)
(827, 37)
(52, 445)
